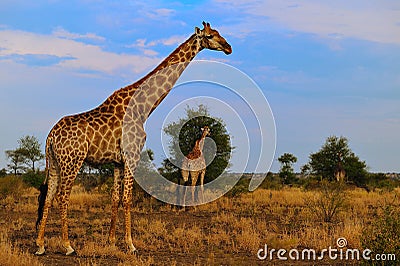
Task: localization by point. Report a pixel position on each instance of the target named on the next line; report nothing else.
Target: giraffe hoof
(40, 251)
(132, 250)
(70, 251)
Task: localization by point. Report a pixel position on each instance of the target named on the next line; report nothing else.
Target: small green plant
(382, 236)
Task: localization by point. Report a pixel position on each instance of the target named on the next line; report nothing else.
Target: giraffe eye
(209, 36)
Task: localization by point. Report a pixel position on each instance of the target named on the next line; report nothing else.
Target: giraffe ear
(202, 129)
(197, 30)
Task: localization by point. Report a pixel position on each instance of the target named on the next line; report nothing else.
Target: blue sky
(326, 68)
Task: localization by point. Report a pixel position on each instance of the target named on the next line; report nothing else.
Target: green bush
(11, 186)
(33, 179)
(3, 172)
(382, 182)
(382, 236)
(240, 188)
(272, 181)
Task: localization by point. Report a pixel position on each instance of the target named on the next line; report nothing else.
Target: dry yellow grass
(227, 231)
(11, 255)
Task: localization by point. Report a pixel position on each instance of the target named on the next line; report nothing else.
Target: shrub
(329, 201)
(381, 181)
(33, 179)
(272, 181)
(11, 186)
(239, 188)
(3, 172)
(382, 235)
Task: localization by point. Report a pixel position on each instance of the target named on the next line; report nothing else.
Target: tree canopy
(26, 155)
(16, 161)
(30, 147)
(184, 134)
(286, 172)
(336, 150)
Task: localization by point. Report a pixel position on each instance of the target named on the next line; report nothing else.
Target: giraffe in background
(194, 165)
(340, 173)
(113, 133)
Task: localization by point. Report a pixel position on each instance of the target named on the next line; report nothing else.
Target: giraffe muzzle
(227, 49)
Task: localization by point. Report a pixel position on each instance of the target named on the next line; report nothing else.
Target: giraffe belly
(104, 153)
(106, 158)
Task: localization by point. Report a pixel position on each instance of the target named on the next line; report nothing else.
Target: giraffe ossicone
(113, 133)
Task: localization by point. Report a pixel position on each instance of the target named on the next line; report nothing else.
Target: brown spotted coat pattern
(113, 133)
(194, 164)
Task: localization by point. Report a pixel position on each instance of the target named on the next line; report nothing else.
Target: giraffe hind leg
(49, 195)
(67, 179)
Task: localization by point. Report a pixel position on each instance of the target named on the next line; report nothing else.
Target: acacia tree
(286, 172)
(184, 134)
(30, 148)
(324, 162)
(26, 155)
(17, 160)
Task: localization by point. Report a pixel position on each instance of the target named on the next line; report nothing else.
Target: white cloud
(81, 56)
(376, 21)
(160, 13)
(62, 33)
(150, 52)
(173, 40)
(139, 43)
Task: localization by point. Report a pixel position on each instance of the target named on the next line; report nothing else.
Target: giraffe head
(205, 131)
(210, 39)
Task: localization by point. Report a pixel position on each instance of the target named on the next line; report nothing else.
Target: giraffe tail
(41, 200)
(44, 187)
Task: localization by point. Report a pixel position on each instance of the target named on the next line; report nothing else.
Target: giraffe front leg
(195, 175)
(202, 185)
(132, 142)
(184, 197)
(185, 177)
(116, 194)
(127, 201)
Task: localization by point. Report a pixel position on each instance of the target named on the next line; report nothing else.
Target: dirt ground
(227, 232)
(24, 238)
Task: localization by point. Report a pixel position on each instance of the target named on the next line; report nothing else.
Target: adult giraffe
(113, 132)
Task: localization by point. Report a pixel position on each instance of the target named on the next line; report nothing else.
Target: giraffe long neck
(156, 85)
(201, 141)
(183, 54)
(173, 66)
